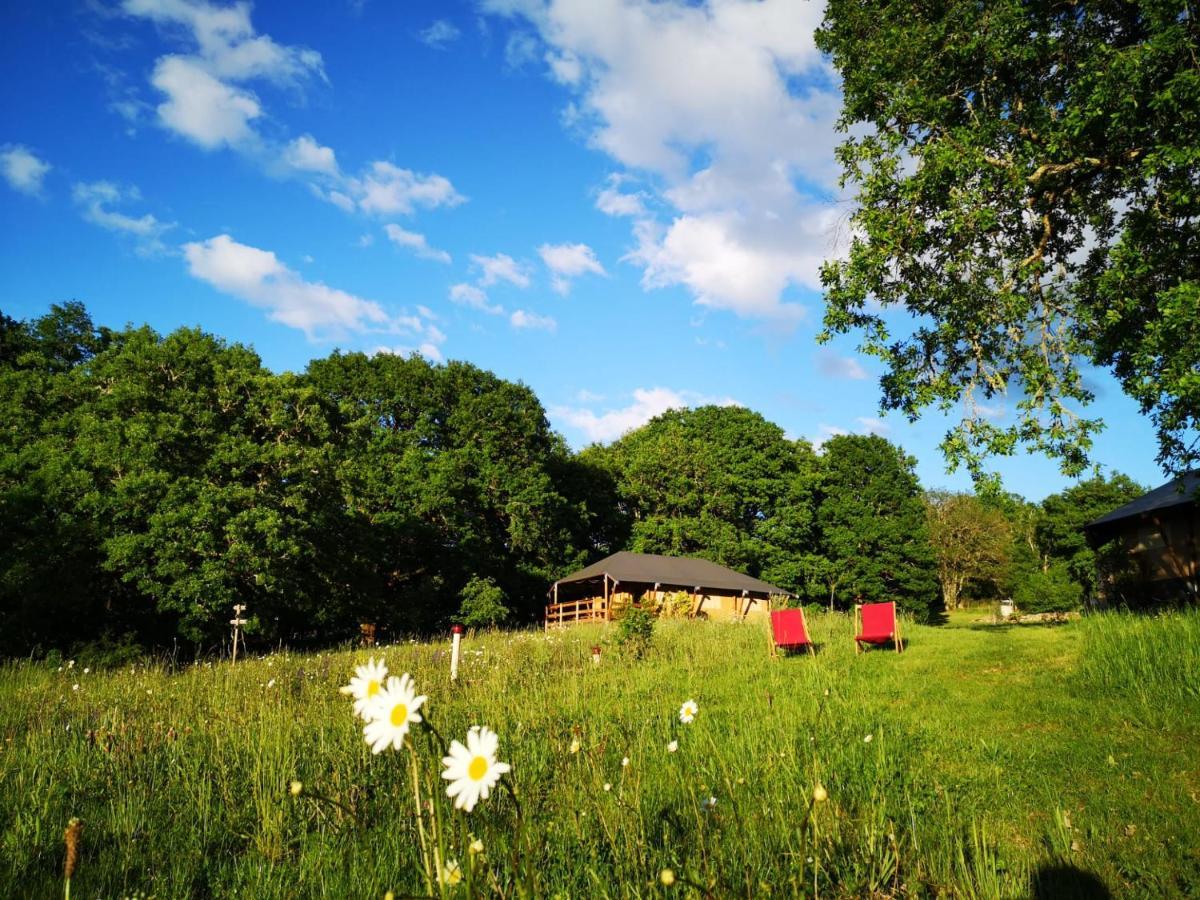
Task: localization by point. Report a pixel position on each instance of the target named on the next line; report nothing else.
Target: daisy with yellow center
(472, 769)
(688, 712)
(451, 873)
(366, 685)
(390, 712)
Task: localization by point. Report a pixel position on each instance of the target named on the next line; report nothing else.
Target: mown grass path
(982, 762)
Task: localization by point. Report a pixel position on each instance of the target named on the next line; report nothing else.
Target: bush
(1051, 591)
(482, 604)
(635, 631)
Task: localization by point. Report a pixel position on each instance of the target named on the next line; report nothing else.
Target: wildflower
(709, 804)
(390, 712)
(574, 745)
(820, 795)
(687, 712)
(868, 738)
(476, 846)
(296, 787)
(451, 873)
(271, 683)
(667, 877)
(366, 684)
(75, 687)
(624, 762)
(389, 896)
(607, 786)
(472, 770)
(87, 670)
(70, 664)
(741, 780)
(673, 746)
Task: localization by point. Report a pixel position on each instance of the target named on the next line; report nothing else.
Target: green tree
(1026, 177)
(482, 604)
(872, 525)
(1059, 529)
(971, 543)
(719, 482)
(450, 473)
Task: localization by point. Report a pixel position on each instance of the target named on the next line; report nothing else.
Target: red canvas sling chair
(789, 631)
(876, 623)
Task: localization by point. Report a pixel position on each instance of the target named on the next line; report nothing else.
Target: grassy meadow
(985, 761)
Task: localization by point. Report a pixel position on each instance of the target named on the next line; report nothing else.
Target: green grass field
(983, 762)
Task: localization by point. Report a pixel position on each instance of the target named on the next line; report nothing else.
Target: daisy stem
(416, 780)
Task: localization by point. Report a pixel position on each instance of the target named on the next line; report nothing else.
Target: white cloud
(872, 425)
(430, 351)
(410, 240)
(258, 277)
(831, 365)
(94, 200)
(612, 201)
(824, 433)
(567, 261)
(306, 155)
(647, 403)
(22, 169)
(470, 295)
(500, 267)
(730, 106)
(226, 43)
(439, 34)
(386, 188)
(525, 320)
(202, 108)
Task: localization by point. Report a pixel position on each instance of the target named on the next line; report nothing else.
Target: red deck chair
(789, 631)
(878, 625)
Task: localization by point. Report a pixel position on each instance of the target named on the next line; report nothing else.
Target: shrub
(482, 604)
(1051, 591)
(635, 631)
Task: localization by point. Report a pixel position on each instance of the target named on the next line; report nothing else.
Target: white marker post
(456, 641)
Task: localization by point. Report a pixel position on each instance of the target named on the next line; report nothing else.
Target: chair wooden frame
(774, 645)
(897, 641)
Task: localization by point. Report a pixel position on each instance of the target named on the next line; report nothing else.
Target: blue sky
(622, 204)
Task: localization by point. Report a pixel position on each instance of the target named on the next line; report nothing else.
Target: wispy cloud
(501, 267)
(525, 320)
(23, 169)
(439, 34)
(567, 261)
(474, 297)
(417, 243)
(95, 200)
(833, 366)
(646, 404)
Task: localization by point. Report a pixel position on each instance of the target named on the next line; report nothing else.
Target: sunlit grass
(961, 767)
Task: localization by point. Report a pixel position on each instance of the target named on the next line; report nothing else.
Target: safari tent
(1160, 534)
(596, 592)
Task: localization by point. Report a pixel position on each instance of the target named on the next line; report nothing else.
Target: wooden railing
(575, 611)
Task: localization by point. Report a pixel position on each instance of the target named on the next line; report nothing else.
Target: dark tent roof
(670, 571)
(1177, 492)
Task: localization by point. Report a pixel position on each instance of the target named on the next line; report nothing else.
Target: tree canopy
(1028, 188)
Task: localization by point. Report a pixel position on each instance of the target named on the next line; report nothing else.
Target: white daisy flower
(672, 746)
(607, 786)
(472, 770)
(688, 712)
(710, 804)
(868, 738)
(366, 685)
(451, 873)
(390, 713)
(624, 762)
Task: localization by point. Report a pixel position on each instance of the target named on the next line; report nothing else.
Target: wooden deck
(559, 615)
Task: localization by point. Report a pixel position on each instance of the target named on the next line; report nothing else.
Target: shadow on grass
(1063, 882)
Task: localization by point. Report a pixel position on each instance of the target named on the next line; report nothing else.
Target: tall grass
(946, 771)
(1153, 659)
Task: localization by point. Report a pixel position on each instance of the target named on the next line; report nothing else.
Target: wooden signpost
(237, 622)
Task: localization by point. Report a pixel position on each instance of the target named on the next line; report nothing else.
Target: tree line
(148, 482)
